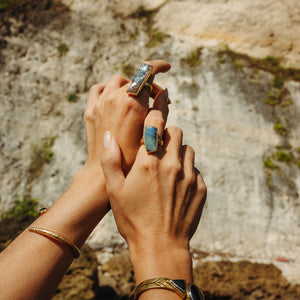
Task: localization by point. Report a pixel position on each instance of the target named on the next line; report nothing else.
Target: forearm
(35, 264)
(161, 261)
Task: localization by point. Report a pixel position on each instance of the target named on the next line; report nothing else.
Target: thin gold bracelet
(58, 238)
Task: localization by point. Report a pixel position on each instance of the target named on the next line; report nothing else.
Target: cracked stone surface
(251, 213)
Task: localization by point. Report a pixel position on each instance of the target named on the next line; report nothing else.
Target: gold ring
(140, 79)
(151, 139)
(147, 84)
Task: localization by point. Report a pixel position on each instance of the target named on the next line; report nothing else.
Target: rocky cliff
(235, 90)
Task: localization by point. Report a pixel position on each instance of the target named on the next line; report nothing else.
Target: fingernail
(107, 139)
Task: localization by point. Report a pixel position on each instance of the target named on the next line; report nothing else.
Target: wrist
(168, 261)
(76, 213)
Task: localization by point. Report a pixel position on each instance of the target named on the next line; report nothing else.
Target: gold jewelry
(149, 85)
(43, 211)
(58, 238)
(179, 286)
(162, 283)
(159, 141)
(151, 139)
(140, 79)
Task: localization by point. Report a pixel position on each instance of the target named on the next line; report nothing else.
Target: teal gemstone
(150, 138)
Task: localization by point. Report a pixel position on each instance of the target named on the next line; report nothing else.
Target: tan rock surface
(221, 104)
(257, 28)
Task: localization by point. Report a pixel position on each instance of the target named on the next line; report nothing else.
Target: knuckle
(88, 116)
(110, 99)
(130, 103)
(189, 178)
(95, 89)
(116, 78)
(190, 150)
(175, 131)
(158, 121)
(173, 167)
(202, 189)
(150, 164)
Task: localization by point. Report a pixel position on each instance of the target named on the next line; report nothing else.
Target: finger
(197, 201)
(95, 91)
(114, 83)
(155, 90)
(173, 141)
(201, 187)
(158, 115)
(161, 103)
(156, 120)
(159, 66)
(111, 162)
(188, 160)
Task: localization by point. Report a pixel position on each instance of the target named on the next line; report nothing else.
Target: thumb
(111, 161)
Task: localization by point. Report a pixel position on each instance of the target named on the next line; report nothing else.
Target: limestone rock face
(241, 119)
(258, 28)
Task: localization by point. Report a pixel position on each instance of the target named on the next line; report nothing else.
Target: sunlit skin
(34, 264)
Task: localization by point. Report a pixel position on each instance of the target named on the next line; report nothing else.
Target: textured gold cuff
(176, 286)
(58, 238)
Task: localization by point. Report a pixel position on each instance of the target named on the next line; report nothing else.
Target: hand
(109, 107)
(158, 205)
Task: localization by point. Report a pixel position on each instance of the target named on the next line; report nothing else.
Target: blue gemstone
(139, 79)
(150, 138)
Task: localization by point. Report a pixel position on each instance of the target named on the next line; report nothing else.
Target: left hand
(109, 107)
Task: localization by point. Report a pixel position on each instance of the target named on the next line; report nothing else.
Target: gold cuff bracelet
(58, 238)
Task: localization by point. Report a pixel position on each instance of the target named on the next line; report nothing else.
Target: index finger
(159, 66)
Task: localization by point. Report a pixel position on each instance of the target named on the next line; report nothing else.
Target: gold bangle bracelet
(161, 283)
(58, 238)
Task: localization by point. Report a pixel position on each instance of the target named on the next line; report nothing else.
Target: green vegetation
(133, 36)
(195, 108)
(25, 207)
(280, 129)
(270, 64)
(193, 59)
(269, 164)
(298, 163)
(286, 146)
(269, 179)
(278, 81)
(46, 150)
(128, 70)
(271, 99)
(41, 155)
(283, 156)
(298, 150)
(63, 49)
(279, 96)
(72, 97)
(155, 37)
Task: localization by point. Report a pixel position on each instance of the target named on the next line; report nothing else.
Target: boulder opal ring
(151, 139)
(140, 80)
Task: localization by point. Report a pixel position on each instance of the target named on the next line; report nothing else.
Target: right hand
(157, 206)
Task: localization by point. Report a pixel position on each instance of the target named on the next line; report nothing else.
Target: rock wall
(241, 117)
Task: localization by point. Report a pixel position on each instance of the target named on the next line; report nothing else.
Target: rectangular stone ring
(139, 80)
(151, 139)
